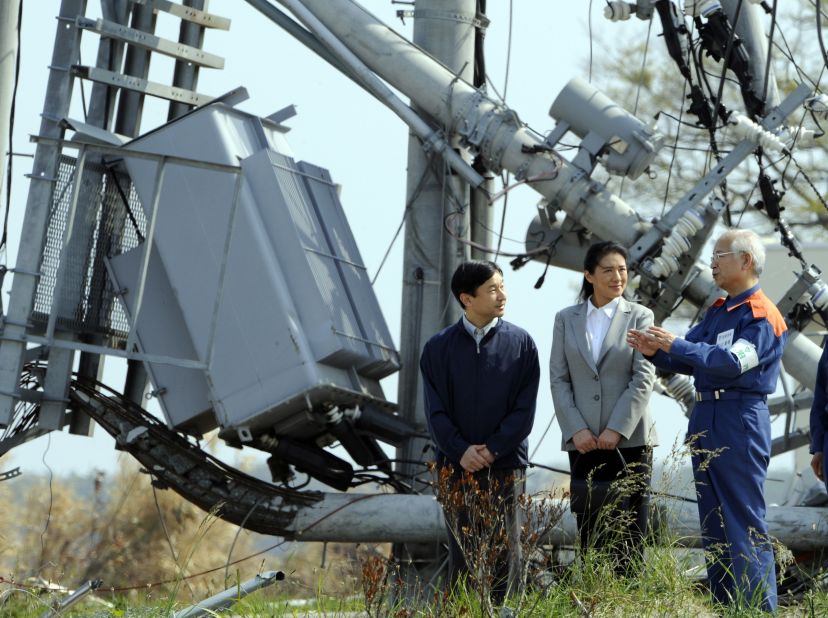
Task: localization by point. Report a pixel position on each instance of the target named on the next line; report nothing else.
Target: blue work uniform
(734, 357)
(819, 412)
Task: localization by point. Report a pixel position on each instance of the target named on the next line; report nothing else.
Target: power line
(508, 50)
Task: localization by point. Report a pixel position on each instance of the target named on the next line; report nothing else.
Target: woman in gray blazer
(601, 390)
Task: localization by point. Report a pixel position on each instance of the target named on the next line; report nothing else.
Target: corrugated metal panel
(298, 328)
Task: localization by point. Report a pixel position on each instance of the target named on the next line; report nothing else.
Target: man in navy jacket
(481, 380)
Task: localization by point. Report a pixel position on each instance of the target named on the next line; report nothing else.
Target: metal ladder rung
(202, 18)
(144, 40)
(129, 82)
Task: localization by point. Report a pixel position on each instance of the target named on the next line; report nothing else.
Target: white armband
(745, 353)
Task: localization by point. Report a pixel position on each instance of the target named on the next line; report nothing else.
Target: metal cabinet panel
(270, 293)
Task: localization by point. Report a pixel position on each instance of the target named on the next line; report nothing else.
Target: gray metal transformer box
(262, 280)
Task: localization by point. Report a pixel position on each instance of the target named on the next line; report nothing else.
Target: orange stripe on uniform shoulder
(763, 307)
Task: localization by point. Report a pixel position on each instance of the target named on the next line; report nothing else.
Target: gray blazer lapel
(617, 328)
(579, 326)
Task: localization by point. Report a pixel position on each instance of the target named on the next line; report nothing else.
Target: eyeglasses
(717, 255)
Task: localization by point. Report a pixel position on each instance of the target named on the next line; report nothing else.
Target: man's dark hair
(471, 275)
(594, 255)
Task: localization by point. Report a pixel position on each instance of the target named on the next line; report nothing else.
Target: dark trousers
(621, 530)
(487, 525)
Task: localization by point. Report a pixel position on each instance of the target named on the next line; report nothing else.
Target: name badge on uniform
(725, 339)
(746, 354)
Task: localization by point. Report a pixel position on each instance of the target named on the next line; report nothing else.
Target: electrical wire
(788, 54)
(167, 536)
(770, 51)
(638, 88)
(493, 231)
(526, 181)
(685, 123)
(505, 181)
(643, 66)
(485, 249)
(817, 123)
(589, 25)
(717, 105)
(82, 91)
(819, 32)
(545, 431)
(810, 182)
(799, 126)
(729, 80)
(239, 560)
(236, 537)
(51, 497)
(535, 464)
(728, 50)
(409, 203)
(508, 50)
(747, 204)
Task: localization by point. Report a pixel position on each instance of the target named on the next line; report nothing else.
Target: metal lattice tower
(81, 209)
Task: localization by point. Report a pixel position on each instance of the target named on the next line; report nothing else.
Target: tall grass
(112, 530)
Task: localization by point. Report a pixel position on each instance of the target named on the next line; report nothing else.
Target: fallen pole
(225, 599)
(73, 598)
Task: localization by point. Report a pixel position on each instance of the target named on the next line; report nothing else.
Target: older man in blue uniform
(733, 355)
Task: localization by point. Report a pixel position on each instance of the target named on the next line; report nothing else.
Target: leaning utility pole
(436, 222)
(9, 13)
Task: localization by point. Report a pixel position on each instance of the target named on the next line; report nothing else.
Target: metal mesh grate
(109, 220)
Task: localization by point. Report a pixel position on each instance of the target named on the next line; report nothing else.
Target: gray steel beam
(72, 345)
(183, 96)
(432, 140)
(136, 64)
(144, 40)
(185, 76)
(188, 12)
(101, 114)
(110, 56)
(38, 204)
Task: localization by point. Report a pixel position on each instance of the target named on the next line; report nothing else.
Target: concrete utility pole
(9, 13)
(436, 201)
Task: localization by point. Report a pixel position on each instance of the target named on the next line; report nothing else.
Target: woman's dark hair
(594, 255)
(471, 275)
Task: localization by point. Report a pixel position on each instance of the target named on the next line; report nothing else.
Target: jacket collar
(460, 326)
(618, 323)
(732, 303)
(616, 327)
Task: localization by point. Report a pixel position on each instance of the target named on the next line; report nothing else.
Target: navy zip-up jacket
(481, 394)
